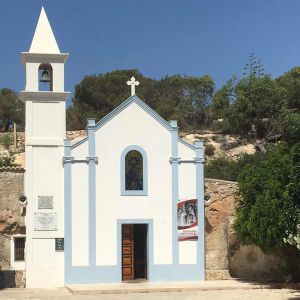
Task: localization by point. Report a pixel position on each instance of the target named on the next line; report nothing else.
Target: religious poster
(187, 220)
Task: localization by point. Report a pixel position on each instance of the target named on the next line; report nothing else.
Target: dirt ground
(242, 294)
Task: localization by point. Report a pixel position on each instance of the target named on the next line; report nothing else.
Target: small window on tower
(45, 77)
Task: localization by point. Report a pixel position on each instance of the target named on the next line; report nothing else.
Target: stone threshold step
(155, 287)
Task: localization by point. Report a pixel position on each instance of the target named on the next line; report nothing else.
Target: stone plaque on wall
(45, 221)
(45, 202)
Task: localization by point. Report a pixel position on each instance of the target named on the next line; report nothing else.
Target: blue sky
(158, 37)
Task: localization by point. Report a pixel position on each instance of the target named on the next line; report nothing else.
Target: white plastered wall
(133, 126)
(187, 190)
(50, 128)
(45, 131)
(44, 266)
(80, 208)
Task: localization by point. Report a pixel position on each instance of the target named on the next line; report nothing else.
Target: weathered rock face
(12, 222)
(225, 257)
(224, 145)
(4, 252)
(11, 214)
(219, 211)
(76, 135)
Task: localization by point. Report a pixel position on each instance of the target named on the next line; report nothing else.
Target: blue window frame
(134, 171)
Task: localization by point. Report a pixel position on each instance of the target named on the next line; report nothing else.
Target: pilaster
(92, 191)
(174, 163)
(199, 162)
(67, 161)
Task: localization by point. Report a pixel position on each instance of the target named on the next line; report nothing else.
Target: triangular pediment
(144, 107)
(140, 103)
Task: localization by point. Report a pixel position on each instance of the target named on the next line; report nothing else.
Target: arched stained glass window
(134, 171)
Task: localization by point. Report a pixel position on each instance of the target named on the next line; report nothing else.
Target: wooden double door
(134, 251)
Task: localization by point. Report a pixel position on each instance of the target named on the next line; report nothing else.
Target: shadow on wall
(7, 279)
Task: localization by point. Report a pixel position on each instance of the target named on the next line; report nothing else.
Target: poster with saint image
(187, 220)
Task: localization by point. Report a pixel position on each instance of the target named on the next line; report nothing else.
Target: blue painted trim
(121, 107)
(156, 273)
(112, 274)
(68, 210)
(80, 142)
(175, 161)
(108, 274)
(143, 192)
(201, 212)
(126, 103)
(92, 192)
(180, 140)
(175, 273)
(186, 144)
(96, 274)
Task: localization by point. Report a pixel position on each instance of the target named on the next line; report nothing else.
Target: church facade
(124, 203)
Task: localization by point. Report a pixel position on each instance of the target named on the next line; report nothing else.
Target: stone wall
(219, 210)
(225, 257)
(12, 222)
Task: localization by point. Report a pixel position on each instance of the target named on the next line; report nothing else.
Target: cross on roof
(133, 83)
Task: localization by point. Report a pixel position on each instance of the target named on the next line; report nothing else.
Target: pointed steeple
(44, 39)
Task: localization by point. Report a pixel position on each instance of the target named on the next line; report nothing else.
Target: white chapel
(124, 203)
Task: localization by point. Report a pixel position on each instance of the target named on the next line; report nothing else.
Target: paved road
(258, 294)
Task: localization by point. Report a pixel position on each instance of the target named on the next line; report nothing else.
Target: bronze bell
(45, 76)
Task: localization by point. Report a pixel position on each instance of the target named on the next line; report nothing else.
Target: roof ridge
(125, 104)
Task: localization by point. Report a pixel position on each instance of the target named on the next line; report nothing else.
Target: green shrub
(229, 169)
(221, 168)
(7, 161)
(209, 149)
(268, 209)
(218, 126)
(6, 140)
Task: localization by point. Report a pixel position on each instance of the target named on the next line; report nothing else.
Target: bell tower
(45, 130)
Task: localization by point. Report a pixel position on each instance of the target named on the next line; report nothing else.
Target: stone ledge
(158, 287)
(15, 169)
(220, 180)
